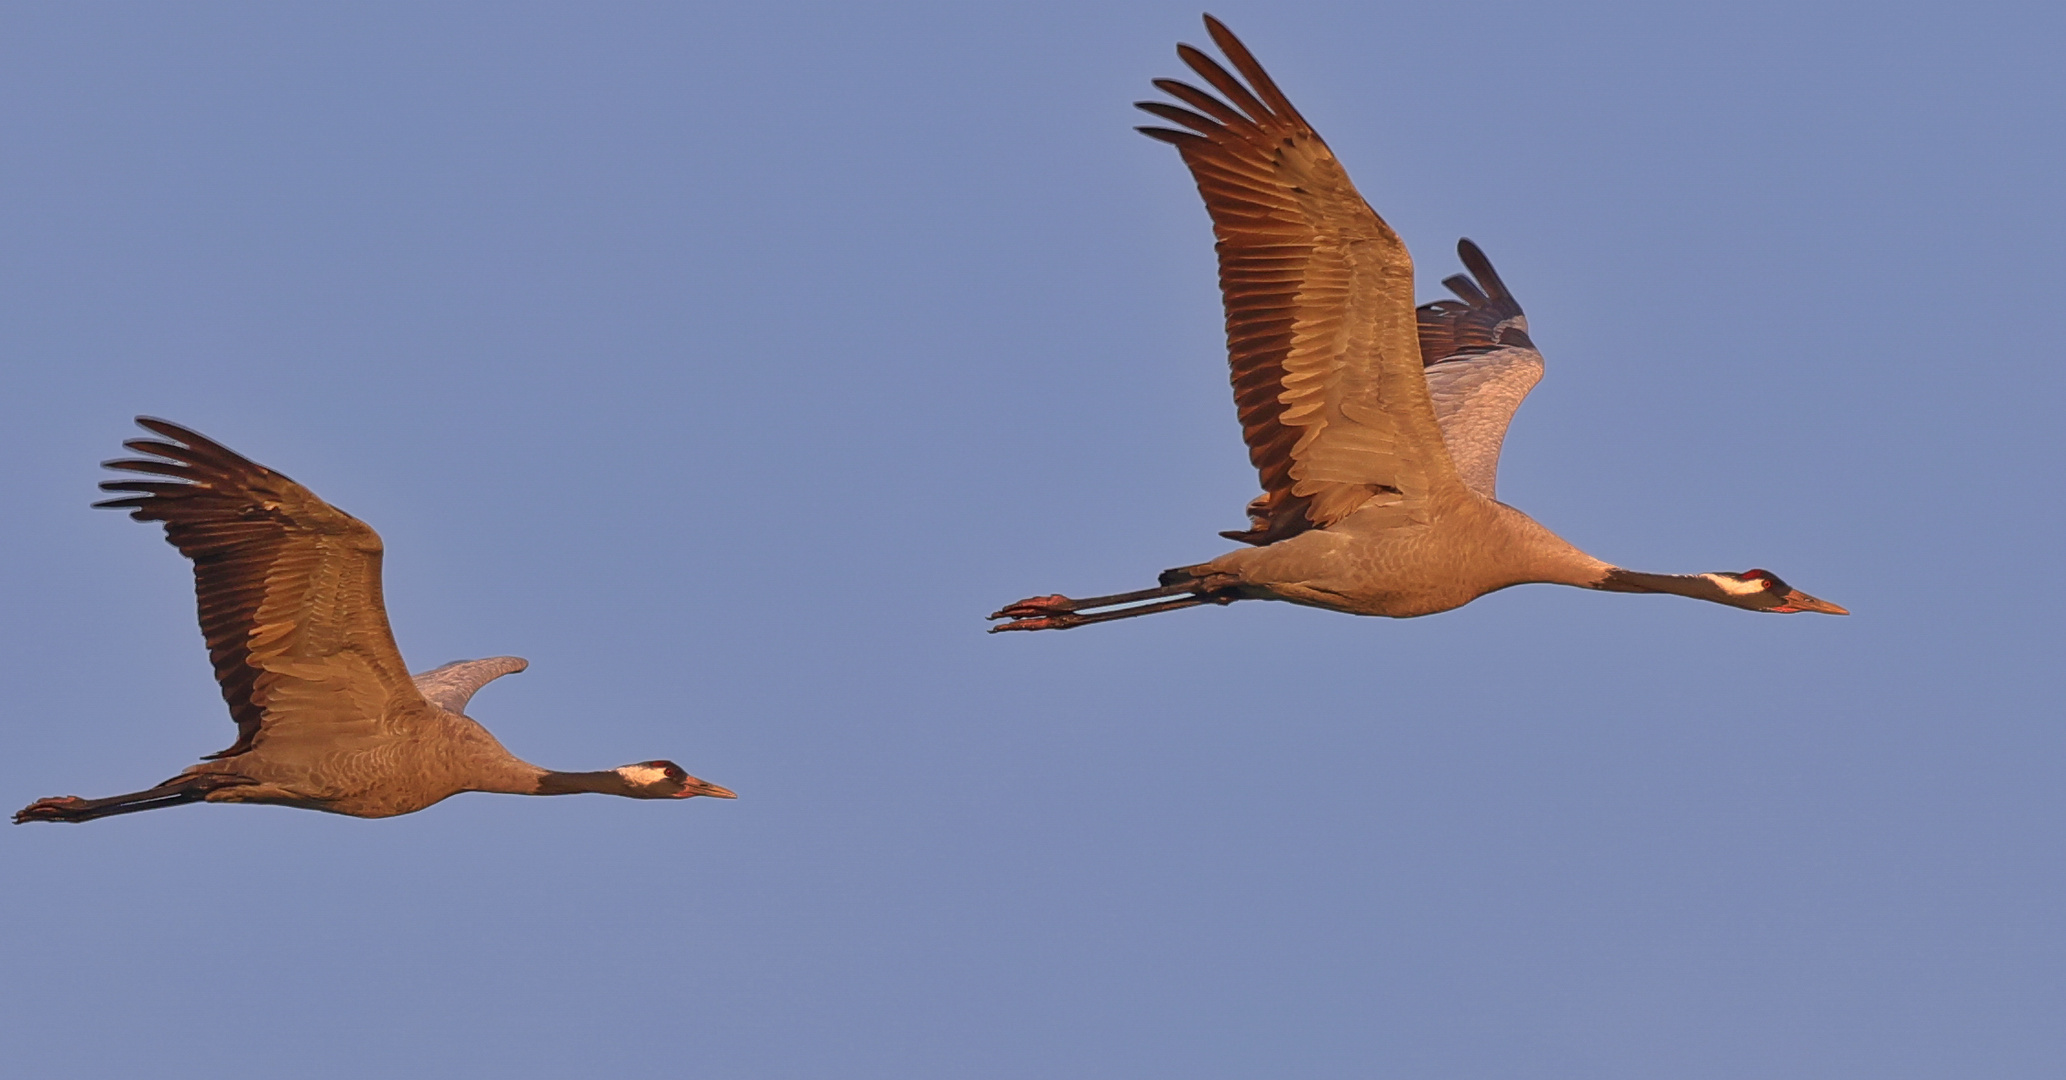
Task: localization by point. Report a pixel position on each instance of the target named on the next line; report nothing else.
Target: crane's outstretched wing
(1480, 364)
(1321, 332)
(452, 685)
(288, 586)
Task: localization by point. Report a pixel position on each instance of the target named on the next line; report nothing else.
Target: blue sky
(730, 365)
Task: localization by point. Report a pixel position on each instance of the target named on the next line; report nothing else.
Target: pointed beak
(705, 787)
(1797, 600)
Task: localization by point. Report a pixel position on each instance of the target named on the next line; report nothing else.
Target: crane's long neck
(1533, 553)
(1570, 566)
(1550, 558)
(606, 782)
(1696, 586)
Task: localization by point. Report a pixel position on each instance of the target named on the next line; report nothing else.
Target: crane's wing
(1321, 333)
(288, 586)
(1480, 364)
(451, 686)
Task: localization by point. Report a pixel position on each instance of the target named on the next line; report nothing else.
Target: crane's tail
(173, 792)
(1058, 612)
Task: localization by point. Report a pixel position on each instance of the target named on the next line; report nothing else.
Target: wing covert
(451, 686)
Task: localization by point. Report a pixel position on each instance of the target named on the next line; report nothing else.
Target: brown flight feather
(1322, 344)
(288, 586)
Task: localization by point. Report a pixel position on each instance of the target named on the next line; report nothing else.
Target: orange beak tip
(1800, 601)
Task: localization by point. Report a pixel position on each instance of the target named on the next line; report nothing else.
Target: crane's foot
(55, 808)
(1054, 612)
(1058, 621)
(1036, 606)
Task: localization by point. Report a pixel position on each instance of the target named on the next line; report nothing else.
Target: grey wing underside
(1479, 364)
(450, 687)
(1475, 397)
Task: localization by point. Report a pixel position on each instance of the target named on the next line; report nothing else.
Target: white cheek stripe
(1734, 586)
(642, 775)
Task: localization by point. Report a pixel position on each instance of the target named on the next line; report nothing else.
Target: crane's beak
(704, 787)
(1797, 600)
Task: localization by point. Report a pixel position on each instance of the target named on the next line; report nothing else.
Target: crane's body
(1380, 561)
(411, 755)
(328, 718)
(1374, 426)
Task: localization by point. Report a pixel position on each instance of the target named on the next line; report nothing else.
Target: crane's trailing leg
(182, 789)
(1059, 612)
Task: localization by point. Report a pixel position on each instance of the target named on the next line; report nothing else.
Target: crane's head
(1761, 590)
(666, 780)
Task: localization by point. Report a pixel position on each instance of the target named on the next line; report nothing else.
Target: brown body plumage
(1374, 427)
(328, 718)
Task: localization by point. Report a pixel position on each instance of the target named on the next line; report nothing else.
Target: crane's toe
(55, 808)
(1034, 607)
(1058, 621)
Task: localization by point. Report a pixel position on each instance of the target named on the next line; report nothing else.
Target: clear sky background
(731, 365)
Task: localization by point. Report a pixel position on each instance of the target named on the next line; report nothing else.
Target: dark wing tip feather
(1248, 101)
(169, 429)
(1480, 267)
(1464, 287)
(216, 460)
(1239, 95)
(1205, 103)
(190, 454)
(1175, 115)
(1245, 62)
(1488, 317)
(191, 446)
(191, 442)
(193, 465)
(1174, 138)
(145, 487)
(161, 468)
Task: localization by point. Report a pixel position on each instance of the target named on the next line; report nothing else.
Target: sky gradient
(730, 366)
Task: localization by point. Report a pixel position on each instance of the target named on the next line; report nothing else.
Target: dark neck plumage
(1697, 586)
(606, 782)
